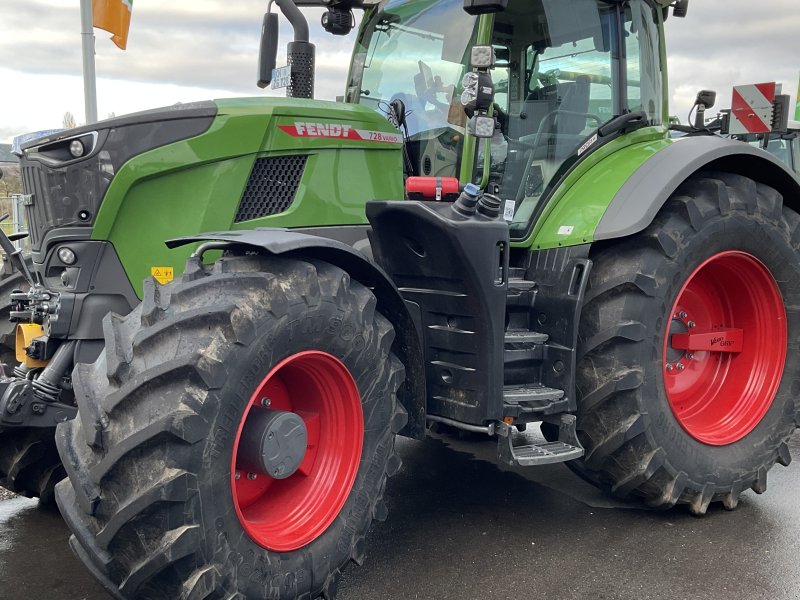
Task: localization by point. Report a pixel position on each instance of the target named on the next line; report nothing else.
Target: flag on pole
(115, 17)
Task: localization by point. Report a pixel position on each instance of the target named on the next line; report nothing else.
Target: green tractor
(493, 231)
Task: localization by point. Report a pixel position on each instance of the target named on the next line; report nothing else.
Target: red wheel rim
(720, 395)
(286, 514)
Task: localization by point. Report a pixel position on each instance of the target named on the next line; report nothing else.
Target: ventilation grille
(272, 187)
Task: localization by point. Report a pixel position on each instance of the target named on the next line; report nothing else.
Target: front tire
(677, 426)
(155, 503)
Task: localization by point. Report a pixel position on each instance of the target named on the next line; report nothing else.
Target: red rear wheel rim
(286, 514)
(720, 397)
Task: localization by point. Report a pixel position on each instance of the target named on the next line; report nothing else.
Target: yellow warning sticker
(163, 274)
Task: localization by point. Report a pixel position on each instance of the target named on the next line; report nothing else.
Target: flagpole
(89, 76)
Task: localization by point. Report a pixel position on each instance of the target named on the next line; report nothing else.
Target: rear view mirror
(268, 50)
(482, 7)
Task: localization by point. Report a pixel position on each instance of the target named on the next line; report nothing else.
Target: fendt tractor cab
(493, 231)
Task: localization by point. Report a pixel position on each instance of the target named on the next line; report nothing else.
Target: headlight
(482, 57)
(67, 256)
(484, 127)
(470, 85)
(77, 149)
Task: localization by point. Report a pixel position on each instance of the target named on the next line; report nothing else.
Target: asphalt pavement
(462, 527)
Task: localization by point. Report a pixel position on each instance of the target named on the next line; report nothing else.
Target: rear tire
(646, 412)
(153, 505)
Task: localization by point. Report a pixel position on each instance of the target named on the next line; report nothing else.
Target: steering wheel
(549, 78)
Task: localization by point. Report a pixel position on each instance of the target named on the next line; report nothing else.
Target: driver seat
(575, 99)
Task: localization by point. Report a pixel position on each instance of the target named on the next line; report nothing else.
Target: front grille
(34, 184)
(272, 187)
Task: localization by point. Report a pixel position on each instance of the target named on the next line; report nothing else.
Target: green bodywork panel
(574, 211)
(195, 185)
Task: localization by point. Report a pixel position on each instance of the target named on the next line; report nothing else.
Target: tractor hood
(211, 166)
(141, 179)
(66, 174)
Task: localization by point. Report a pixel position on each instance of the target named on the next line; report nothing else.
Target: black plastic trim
(455, 269)
(96, 285)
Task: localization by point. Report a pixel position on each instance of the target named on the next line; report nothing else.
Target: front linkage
(38, 393)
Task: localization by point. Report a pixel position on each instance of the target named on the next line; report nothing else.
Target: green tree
(10, 182)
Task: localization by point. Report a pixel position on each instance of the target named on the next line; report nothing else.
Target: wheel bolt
(670, 367)
(682, 315)
(252, 476)
(691, 324)
(681, 366)
(690, 356)
(266, 402)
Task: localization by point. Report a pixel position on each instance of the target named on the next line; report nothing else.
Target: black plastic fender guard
(407, 347)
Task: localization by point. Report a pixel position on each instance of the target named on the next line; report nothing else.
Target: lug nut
(691, 324)
(252, 476)
(266, 402)
(682, 315)
(238, 475)
(670, 367)
(690, 356)
(681, 366)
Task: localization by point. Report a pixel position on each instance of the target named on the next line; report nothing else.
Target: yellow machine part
(26, 333)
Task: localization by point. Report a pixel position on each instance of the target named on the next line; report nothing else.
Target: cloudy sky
(201, 49)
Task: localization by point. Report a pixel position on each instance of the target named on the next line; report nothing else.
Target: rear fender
(640, 199)
(283, 242)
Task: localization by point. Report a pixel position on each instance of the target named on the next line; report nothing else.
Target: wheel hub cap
(273, 443)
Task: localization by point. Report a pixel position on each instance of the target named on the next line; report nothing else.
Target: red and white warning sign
(753, 108)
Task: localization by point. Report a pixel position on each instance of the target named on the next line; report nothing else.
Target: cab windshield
(563, 69)
(414, 51)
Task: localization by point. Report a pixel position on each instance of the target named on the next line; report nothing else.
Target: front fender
(283, 242)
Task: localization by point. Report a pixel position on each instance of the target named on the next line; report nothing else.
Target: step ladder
(545, 453)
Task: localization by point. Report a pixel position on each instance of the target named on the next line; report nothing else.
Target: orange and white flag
(115, 17)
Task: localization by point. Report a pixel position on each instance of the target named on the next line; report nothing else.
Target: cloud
(720, 45)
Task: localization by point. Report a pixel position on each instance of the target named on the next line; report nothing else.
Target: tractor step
(545, 453)
(532, 399)
(521, 285)
(525, 337)
(521, 293)
(524, 346)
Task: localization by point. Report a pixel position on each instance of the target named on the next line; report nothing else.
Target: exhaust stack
(301, 53)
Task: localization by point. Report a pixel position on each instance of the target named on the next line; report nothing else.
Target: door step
(545, 453)
(525, 337)
(525, 399)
